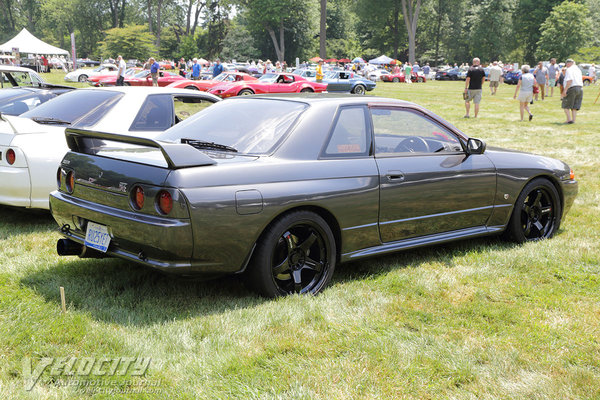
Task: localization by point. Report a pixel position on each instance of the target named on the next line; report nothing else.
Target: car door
(335, 84)
(428, 183)
(283, 84)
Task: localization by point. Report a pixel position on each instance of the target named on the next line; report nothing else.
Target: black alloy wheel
(296, 254)
(537, 212)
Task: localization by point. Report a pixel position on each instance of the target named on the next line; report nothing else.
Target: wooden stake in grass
(62, 299)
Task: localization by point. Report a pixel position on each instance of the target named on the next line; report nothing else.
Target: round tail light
(10, 156)
(165, 202)
(70, 181)
(138, 197)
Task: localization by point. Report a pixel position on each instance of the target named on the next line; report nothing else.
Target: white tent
(381, 60)
(27, 43)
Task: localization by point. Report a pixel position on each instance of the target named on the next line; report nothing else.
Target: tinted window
(349, 136)
(156, 114)
(185, 107)
(24, 102)
(404, 132)
(252, 126)
(79, 107)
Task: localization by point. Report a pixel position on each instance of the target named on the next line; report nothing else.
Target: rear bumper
(16, 186)
(162, 243)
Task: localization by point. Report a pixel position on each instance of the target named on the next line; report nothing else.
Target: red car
(110, 80)
(143, 78)
(205, 85)
(399, 77)
(268, 83)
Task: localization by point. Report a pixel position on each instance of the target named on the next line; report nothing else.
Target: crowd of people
(533, 84)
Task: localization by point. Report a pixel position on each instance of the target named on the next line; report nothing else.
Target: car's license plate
(97, 237)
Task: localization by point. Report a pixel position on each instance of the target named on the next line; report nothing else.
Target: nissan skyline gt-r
(400, 77)
(82, 74)
(32, 145)
(268, 84)
(144, 78)
(110, 79)
(348, 82)
(207, 84)
(18, 100)
(284, 188)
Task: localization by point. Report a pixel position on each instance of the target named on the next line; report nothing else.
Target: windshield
(257, 126)
(142, 74)
(268, 78)
(80, 107)
(331, 75)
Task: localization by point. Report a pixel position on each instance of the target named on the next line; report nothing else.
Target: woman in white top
(526, 85)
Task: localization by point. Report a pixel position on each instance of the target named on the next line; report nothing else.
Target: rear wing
(177, 155)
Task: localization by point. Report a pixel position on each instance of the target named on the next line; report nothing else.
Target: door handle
(395, 176)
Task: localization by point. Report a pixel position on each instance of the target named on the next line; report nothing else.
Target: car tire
(126, 84)
(396, 80)
(191, 87)
(536, 214)
(359, 89)
(295, 254)
(306, 90)
(420, 79)
(586, 83)
(245, 92)
(82, 78)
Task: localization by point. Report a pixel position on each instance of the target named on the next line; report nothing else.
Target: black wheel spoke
(541, 229)
(297, 275)
(284, 266)
(527, 227)
(538, 199)
(313, 265)
(305, 246)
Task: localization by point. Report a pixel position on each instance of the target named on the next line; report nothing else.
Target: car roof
(330, 98)
(10, 68)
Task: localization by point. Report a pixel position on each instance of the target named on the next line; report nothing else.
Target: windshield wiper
(49, 120)
(199, 144)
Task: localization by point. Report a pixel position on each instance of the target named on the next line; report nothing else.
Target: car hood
(506, 159)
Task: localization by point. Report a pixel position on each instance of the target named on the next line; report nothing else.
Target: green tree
(276, 17)
(565, 31)
(132, 41)
(239, 44)
(491, 29)
(527, 18)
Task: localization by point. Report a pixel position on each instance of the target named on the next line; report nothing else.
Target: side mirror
(475, 146)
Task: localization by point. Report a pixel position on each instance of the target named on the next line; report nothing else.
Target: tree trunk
(122, 19)
(323, 31)
(279, 51)
(396, 30)
(149, 2)
(411, 15)
(199, 8)
(438, 31)
(188, 17)
(158, 25)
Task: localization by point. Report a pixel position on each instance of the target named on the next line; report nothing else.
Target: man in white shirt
(121, 71)
(572, 95)
(592, 72)
(494, 76)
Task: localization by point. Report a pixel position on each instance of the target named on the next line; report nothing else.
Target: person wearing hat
(573, 93)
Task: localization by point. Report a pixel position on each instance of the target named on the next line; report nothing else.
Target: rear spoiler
(177, 155)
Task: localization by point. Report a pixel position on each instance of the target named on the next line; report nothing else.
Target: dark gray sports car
(285, 188)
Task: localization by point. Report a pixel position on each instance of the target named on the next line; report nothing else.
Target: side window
(349, 136)
(185, 107)
(156, 114)
(404, 132)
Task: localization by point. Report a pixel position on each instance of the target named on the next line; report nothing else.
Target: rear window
(251, 126)
(80, 108)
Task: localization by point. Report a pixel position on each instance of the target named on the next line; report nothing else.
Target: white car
(18, 76)
(82, 74)
(33, 144)
(376, 74)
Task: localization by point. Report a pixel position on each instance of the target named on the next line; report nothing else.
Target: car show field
(478, 318)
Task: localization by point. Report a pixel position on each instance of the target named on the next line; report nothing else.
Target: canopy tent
(358, 60)
(27, 43)
(381, 60)
(331, 60)
(344, 60)
(315, 59)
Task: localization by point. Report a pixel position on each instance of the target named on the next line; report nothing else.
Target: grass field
(479, 319)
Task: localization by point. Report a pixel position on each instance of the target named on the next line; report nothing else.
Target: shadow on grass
(115, 291)
(24, 220)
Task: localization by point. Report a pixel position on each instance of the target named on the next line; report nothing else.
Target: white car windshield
(250, 126)
(268, 78)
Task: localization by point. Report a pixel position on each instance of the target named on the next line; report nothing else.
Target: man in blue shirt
(196, 70)
(154, 67)
(217, 69)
